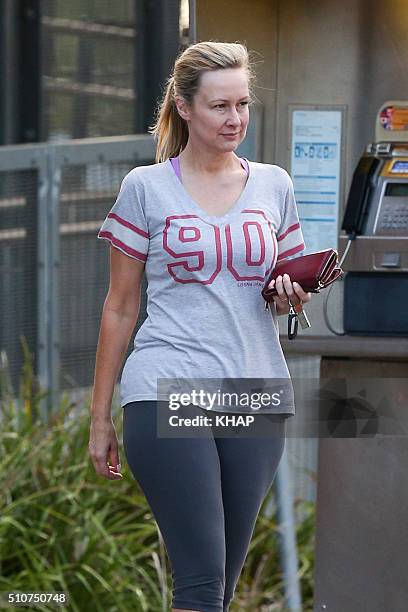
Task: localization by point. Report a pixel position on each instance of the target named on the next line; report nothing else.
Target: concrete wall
(351, 52)
(253, 23)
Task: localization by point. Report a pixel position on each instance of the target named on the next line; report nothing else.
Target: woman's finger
(295, 291)
(280, 288)
(108, 471)
(101, 466)
(288, 286)
(114, 457)
(115, 469)
(103, 449)
(303, 295)
(288, 290)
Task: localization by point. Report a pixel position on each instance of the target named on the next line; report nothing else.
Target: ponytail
(170, 129)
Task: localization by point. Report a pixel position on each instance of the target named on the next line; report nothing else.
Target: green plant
(63, 527)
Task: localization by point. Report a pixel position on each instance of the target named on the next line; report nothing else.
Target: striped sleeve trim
(125, 223)
(290, 229)
(131, 239)
(290, 241)
(292, 251)
(106, 235)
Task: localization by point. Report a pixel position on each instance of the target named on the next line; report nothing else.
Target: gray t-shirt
(205, 313)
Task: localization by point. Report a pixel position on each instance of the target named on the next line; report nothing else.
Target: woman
(207, 227)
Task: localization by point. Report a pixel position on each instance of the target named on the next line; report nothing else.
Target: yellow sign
(394, 118)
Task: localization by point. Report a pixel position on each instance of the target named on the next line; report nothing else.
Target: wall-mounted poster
(316, 147)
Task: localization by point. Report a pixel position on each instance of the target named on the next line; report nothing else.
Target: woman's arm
(119, 316)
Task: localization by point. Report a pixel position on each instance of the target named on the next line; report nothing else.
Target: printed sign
(315, 171)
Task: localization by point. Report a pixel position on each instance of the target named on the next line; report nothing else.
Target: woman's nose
(233, 117)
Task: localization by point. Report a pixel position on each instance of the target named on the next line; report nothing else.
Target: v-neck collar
(214, 219)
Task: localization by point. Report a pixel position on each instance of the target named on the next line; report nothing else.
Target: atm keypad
(393, 218)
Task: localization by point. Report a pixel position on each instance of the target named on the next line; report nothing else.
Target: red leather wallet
(313, 272)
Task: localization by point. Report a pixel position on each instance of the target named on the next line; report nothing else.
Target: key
(292, 323)
(301, 315)
(303, 319)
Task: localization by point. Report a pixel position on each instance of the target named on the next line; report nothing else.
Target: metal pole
(287, 539)
(9, 70)
(29, 97)
(162, 22)
(54, 291)
(192, 17)
(43, 279)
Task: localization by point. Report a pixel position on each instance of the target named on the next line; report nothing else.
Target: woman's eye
(223, 105)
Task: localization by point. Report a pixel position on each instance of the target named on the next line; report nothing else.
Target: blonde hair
(171, 130)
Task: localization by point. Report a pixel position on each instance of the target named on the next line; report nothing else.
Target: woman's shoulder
(146, 172)
(268, 171)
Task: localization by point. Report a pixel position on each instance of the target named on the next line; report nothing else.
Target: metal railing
(53, 200)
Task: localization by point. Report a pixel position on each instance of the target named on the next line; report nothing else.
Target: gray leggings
(205, 495)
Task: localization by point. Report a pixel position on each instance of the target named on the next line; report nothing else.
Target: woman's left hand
(288, 291)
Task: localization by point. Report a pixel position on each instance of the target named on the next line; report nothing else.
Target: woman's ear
(182, 107)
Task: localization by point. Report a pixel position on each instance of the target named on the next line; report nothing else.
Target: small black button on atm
(391, 260)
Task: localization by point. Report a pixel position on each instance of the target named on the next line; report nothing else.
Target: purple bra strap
(244, 164)
(175, 162)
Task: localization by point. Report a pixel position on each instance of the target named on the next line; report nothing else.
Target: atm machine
(376, 231)
(362, 485)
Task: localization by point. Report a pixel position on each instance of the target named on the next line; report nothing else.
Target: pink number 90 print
(251, 248)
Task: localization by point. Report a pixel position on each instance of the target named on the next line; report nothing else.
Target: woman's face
(219, 115)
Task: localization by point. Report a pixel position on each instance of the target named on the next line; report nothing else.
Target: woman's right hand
(103, 445)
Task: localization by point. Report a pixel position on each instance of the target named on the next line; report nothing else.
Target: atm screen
(400, 166)
(396, 189)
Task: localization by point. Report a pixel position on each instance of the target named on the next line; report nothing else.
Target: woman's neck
(209, 163)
